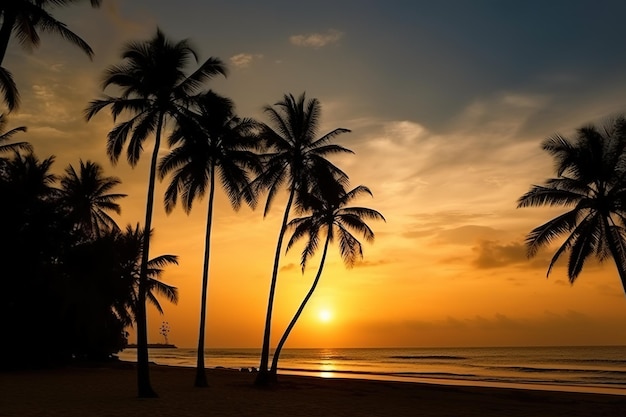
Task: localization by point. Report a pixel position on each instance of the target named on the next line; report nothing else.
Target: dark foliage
(68, 292)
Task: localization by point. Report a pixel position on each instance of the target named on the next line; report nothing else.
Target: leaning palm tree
(154, 88)
(591, 180)
(328, 216)
(297, 159)
(5, 136)
(212, 142)
(23, 19)
(86, 194)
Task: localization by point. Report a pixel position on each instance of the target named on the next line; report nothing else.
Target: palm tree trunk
(143, 371)
(262, 378)
(5, 32)
(201, 380)
(295, 318)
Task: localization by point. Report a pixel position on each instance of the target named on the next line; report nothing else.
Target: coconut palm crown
(590, 182)
(87, 195)
(24, 19)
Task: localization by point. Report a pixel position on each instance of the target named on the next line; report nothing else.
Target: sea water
(579, 368)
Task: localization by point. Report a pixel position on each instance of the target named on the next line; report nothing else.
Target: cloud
(289, 267)
(366, 263)
(244, 60)
(316, 40)
(492, 254)
(468, 234)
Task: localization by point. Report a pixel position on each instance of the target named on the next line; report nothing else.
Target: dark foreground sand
(110, 391)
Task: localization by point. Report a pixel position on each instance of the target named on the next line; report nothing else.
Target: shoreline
(110, 390)
(533, 386)
(374, 376)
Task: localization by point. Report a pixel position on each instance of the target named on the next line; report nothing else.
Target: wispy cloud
(244, 60)
(316, 40)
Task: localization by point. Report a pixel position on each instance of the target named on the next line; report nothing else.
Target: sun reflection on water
(328, 364)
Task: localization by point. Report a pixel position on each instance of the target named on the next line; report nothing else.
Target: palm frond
(8, 89)
(546, 233)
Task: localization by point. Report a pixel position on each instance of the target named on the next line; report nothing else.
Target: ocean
(579, 369)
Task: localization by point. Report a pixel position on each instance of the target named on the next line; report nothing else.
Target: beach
(110, 390)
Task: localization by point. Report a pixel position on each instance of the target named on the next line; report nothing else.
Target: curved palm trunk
(5, 33)
(143, 371)
(201, 380)
(262, 378)
(295, 318)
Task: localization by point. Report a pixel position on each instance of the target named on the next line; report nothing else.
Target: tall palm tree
(330, 216)
(212, 142)
(87, 195)
(154, 88)
(591, 181)
(7, 135)
(297, 159)
(22, 19)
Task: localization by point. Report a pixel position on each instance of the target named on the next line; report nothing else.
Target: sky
(447, 102)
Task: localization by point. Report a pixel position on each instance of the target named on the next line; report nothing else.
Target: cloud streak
(316, 40)
(244, 60)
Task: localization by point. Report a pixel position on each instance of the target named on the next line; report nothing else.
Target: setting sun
(325, 315)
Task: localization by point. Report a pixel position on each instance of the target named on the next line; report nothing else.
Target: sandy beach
(110, 391)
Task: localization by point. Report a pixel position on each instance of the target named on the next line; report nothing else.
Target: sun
(325, 316)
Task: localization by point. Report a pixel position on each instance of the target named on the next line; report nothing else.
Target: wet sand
(111, 391)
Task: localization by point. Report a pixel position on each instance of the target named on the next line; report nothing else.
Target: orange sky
(446, 135)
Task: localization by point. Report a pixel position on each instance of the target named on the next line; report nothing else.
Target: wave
(528, 369)
(427, 357)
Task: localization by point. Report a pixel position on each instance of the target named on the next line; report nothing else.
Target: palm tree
(23, 18)
(154, 89)
(129, 246)
(5, 136)
(31, 178)
(297, 159)
(86, 194)
(212, 142)
(328, 216)
(102, 276)
(590, 179)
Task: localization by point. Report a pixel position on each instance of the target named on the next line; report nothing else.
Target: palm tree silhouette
(5, 136)
(154, 88)
(31, 178)
(590, 169)
(329, 216)
(296, 159)
(129, 245)
(86, 194)
(23, 18)
(210, 142)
